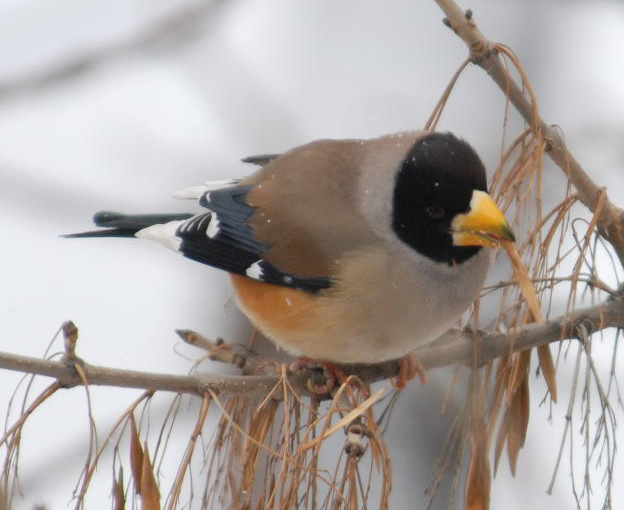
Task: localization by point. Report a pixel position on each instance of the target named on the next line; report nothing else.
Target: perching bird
(347, 251)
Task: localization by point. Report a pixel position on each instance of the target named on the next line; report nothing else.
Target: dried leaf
(498, 395)
(547, 366)
(525, 283)
(525, 410)
(119, 498)
(136, 455)
(528, 291)
(150, 495)
(502, 373)
(519, 372)
(376, 452)
(500, 440)
(479, 478)
(518, 422)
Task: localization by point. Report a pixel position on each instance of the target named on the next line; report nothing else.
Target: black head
(435, 183)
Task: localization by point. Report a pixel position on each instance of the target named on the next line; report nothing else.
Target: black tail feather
(126, 225)
(109, 232)
(260, 159)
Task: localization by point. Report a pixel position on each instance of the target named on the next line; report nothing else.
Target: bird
(343, 251)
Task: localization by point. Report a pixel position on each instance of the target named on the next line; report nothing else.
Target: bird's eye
(434, 211)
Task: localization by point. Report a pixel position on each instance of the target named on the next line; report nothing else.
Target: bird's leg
(324, 375)
(409, 367)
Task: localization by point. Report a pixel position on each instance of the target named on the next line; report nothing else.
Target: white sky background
(246, 77)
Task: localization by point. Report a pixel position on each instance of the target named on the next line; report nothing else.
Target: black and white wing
(223, 238)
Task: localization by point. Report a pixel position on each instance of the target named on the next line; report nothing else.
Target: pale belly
(351, 323)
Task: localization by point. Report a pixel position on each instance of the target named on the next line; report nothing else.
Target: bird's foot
(324, 376)
(409, 367)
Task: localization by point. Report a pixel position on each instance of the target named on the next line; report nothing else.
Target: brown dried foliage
(540, 261)
(273, 453)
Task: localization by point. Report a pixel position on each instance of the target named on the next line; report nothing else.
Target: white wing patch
(254, 270)
(213, 227)
(191, 193)
(164, 234)
(195, 192)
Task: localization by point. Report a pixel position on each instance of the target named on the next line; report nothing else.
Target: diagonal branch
(456, 347)
(485, 54)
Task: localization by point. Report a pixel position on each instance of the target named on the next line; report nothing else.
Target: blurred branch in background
(176, 28)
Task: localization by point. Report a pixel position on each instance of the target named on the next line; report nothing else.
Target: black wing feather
(221, 237)
(224, 239)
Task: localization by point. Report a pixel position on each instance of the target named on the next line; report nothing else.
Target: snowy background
(170, 93)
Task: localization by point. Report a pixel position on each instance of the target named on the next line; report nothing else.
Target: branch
(197, 384)
(485, 54)
(456, 347)
(459, 345)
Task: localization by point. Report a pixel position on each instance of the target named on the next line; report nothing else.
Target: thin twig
(568, 418)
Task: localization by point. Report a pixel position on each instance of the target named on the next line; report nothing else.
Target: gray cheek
(375, 203)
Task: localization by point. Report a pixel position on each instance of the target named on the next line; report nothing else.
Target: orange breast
(279, 312)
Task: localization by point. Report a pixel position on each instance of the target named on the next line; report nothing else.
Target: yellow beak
(483, 225)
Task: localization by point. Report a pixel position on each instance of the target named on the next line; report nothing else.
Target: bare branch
(455, 347)
(104, 376)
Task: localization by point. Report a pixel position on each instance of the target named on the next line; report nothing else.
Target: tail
(126, 225)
